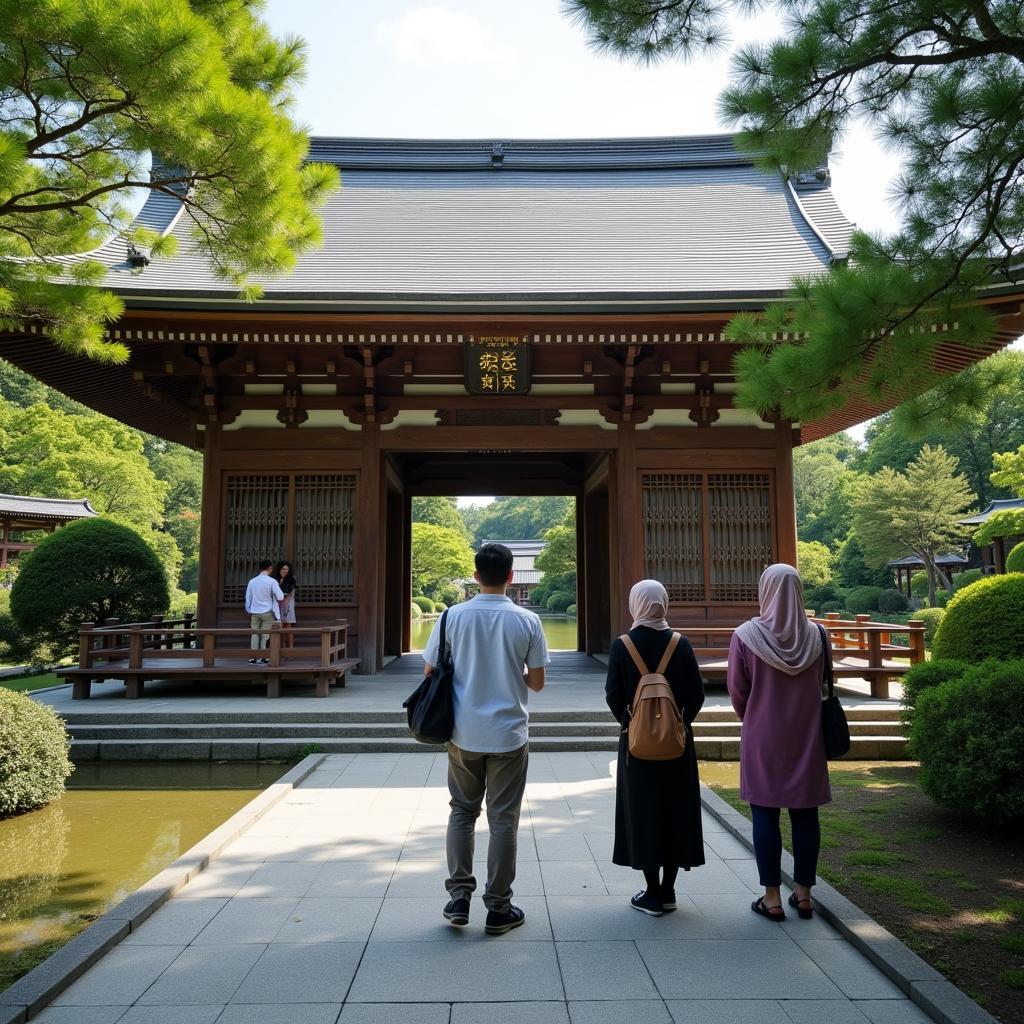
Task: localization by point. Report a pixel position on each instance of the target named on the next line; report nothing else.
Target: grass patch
(908, 891)
(1012, 944)
(962, 936)
(25, 684)
(916, 835)
(1013, 979)
(875, 859)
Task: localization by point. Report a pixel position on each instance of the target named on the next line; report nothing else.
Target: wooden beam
(368, 538)
(211, 534)
(785, 495)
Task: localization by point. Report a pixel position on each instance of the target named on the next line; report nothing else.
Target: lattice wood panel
(673, 518)
(740, 525)
(324, 525)
(256, 525)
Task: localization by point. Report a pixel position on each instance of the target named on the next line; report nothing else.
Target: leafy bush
(966, 578)
(830, 606)
(571, 610)
(968, 734)
(931, 617)
(890, 601)
(814, 561)
(425, 605)
(415, 611)
(927, 676)
(87, 571)
(919, 584)
(815, 597)
(941, 599)
(1015, 559)
(559, 601)
(182, 603)
(450, 594)
(984, 621)
(440, 606)
(33, 753)
(862, 600)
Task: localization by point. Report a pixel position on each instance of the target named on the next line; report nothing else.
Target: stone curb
(29, 995)
(924, 985)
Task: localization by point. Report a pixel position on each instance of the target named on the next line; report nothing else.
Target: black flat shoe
(668, 900)
(647, 904)
(806, 913)
(760, 907)
(501, 921)
(456, 912)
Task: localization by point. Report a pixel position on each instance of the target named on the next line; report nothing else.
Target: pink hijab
(782, 635)
(648, 604)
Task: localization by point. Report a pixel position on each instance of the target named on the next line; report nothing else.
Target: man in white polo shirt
(492, 640)
(261, 602)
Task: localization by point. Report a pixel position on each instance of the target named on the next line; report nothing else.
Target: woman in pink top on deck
(775, 677)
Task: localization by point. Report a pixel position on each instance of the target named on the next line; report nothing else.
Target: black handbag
(834, 726)
(431, 706)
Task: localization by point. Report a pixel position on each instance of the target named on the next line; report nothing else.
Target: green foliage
(941, 599)
(450, 594)
(424, 604)
(439, 555)
(1008, 523)
(814, 561)
(862, 600)
(917, 511)
(822, 482)
(928, 675)
(852, 570)
(87, 571)
(816, 597)
(984, 621)
(1015, 559)
(182, 603)
(830, 606)
(966, 578)
(521, 518)
(415, 611)
(968, 734)
(1009, 471)
(890, 601)
(87, 92)
(571, 610)
(940, 82)
(931, 617)
(440, 606)
(34, 749)
(439, 512)
(559, 601)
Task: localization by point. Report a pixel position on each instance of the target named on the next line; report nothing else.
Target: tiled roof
(421, 224)
(912, 561)
(999, 505)
(45, 508)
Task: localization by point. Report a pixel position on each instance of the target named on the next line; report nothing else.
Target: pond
(560, 631)
(118, 824)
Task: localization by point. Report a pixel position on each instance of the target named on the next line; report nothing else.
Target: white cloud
(440, 35)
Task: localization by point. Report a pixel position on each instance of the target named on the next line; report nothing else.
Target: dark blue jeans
(768, 844)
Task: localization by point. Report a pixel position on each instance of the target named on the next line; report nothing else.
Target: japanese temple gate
(520, 318)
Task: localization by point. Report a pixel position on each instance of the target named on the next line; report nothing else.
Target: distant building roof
(23, 506)
(527, 223)
(913, 562)
(526, 576)
(999, 505)
(522, 548)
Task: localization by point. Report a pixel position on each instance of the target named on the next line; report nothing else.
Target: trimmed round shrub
(571, 610)
(919, 584)
(927, 676)
(415, 611)
(450, 594)
(931, 617)
(942, 598)
(892, 601)
(424, 603)
(1015, 559)
(440, 606)
(87, 571)
(559, 601)
(984, 620)
(862, 600)
(33, 753)
(968, 734)
(966, 578)
(831, 606)
(815, 597)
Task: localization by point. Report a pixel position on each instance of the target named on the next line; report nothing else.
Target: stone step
(865, 748)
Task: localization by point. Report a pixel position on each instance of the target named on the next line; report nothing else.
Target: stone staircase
(877, 734)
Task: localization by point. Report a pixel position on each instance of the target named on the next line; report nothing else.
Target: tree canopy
(942, 83)
(439, 555)
(100, 99)
(440, 512)
(520, 518)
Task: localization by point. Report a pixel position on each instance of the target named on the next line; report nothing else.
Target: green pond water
(116, 826)
(560, 631)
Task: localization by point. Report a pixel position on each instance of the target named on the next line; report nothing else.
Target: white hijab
(782, 635)
(648, 604)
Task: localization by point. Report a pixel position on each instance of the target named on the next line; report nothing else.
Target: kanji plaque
(498, 365)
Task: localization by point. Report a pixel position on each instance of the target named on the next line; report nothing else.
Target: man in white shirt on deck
(261, 602)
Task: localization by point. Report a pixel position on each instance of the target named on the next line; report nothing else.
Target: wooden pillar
(406, 590)
(369, 527)
(211, 539)
(628, 525)
(4, 554)
(785, 496)
(581, 574)
(999, 554)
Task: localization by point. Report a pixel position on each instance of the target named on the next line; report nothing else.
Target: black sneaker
(456, 912)
(501, 921)
(254, 661)
(264, 661)
(647, 904)
(668, 899)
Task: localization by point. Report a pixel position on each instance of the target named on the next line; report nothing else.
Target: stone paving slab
(317, 915)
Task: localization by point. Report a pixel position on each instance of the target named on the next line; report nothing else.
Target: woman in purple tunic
(775, 676)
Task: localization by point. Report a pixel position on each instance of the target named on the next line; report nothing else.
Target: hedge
(440, 606)
(425, 604)
(968, 734)
(926, 676)
(892, 601)
(966, 578)
(33, 753)
(862, 600)
(1015, 559)
(984, 620)
(415, 611)
(571, 610)
(931, 617)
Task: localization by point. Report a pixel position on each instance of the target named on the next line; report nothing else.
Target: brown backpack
(656, 730)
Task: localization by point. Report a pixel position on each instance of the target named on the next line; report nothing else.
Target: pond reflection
(559, 630)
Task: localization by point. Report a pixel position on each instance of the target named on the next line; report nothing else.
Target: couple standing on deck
(775, 671)
(269, 598)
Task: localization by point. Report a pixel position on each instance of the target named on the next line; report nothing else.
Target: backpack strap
(634, 653)
(669, 651)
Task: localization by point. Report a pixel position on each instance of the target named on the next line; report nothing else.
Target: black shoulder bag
(834, 726)
(431, 707)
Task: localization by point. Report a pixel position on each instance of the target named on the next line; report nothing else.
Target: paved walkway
(329, 910)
